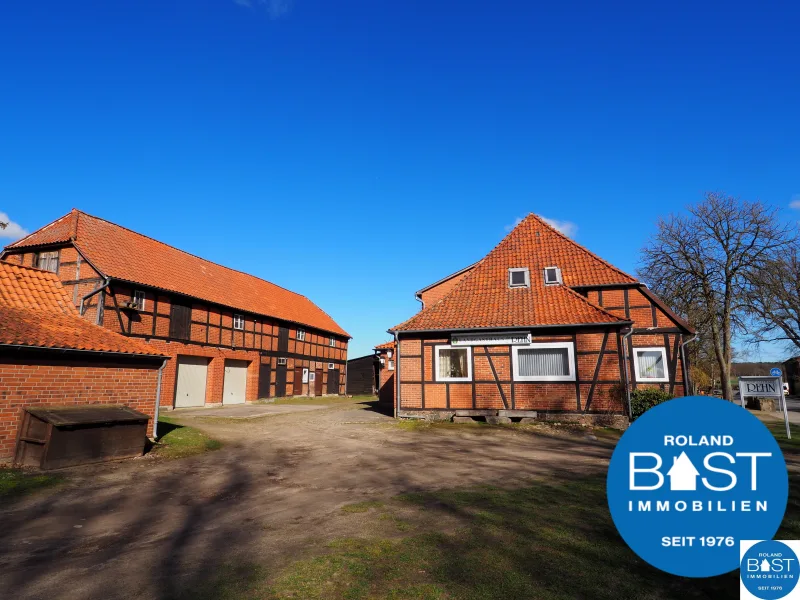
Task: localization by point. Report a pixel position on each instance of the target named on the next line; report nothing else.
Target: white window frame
(139, 300)
(332, 342)
(525, 270)
(50, 257)
(331, 366)
(281, 361)
(570, 359)
(663, 351)
(240, 320)
(450, 347)
(558, 280)
(301, 335)
(391, 365)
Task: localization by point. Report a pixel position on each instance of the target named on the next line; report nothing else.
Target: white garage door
(192, 375)
(235, 382)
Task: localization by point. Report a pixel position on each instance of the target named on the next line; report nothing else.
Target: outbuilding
(51, 358)
(540, 327)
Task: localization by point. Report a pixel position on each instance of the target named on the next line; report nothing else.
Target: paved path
(155, 528)
(244, 411)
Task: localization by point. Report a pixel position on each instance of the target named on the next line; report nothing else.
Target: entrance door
(297, 389)
(190, 389)
(280, 381)
(264, 380)
(333, 381)
(235, 383)
(318, 383)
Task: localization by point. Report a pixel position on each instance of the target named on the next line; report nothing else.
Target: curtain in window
(453, 362)
(544, 362)
(651, 364)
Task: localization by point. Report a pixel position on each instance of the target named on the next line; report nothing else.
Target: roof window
(519, 277)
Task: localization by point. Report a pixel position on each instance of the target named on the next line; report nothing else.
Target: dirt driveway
(149, 528)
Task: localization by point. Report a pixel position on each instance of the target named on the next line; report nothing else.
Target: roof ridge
(541, 220)
(84, 213)
(42, 228)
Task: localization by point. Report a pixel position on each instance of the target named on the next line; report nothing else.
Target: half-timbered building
(233, 337)
(540, 326)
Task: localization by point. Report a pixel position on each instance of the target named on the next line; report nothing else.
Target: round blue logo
(769, 570)
(690, 478)
(775, 372)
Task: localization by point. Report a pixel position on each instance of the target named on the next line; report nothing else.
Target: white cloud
(568, 228)
(275, 8)
(795, 202)
(13, 231)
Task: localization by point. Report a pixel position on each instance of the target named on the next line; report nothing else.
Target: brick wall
(57, 382)
(434, 294)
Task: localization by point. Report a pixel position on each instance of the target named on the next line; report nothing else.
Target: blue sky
(358, 150)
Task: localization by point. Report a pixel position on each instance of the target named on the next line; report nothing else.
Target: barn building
(51, 357)
(234, 337)
(540, 326)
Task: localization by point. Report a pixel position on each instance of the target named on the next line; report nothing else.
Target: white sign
(760, 387)
(305, 375)
(505, 338)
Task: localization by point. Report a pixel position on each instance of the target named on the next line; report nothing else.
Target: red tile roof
(385, 346)
(123, 254)
(484, 300)
(36, 311)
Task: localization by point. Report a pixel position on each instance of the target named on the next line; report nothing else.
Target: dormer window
(552, 276)
(519, 278)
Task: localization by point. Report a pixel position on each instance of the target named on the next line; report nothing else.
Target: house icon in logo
(765, 566)
(683, 475)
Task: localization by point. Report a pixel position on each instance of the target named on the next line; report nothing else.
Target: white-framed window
(391, 365)
(453, 363)
(332, 342)
(301, 334)
(331, 366)
(552, 276)
(281, 361)
(389, 354)
(544, 361)
(312, 376)
(520, 277)
(138, 299)
(383, 362)
(650, 364)
(48, 261)
(238, 322)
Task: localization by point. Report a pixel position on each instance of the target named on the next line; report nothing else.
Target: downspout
(158, 398)
(105, 284)
(397, 374)
(687, 380)
(627, 370)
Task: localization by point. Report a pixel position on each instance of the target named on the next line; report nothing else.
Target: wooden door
(318, 383)
(234, 385)
(264, 377)
(297, 389)
(190, 388)
(283, 339)
(180, 320)
(280, 381)
(333, 381)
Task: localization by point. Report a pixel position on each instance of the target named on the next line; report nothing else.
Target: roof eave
(95, 352)
(619, 324)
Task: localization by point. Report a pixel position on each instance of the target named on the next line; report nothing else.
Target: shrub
(645, 399)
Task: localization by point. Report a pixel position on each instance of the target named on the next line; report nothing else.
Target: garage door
(192, 375)
(235, 382)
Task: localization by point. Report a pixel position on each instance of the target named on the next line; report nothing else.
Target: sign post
(765, 387)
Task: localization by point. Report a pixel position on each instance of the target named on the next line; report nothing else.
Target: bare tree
(775, 300)
(705, 262)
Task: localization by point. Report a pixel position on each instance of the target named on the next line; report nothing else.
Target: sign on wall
(761, 387)
(504, 338)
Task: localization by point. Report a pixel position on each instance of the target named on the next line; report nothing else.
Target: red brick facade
(211, 334)
(45, 379)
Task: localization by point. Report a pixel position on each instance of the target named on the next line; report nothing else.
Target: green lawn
(16, 482)
(178, 441)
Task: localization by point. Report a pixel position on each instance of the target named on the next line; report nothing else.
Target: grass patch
(178, 441)
(15, 483)
(362, 507)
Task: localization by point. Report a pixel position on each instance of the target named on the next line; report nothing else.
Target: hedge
(645, 399)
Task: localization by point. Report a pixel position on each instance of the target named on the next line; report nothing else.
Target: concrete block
(498, 420)
(463, 420)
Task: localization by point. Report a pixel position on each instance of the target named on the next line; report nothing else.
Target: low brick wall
(57, 381)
